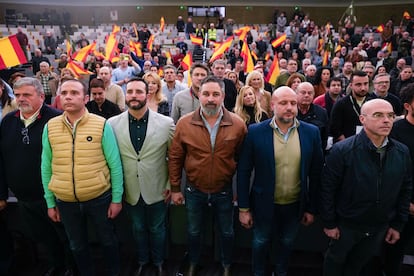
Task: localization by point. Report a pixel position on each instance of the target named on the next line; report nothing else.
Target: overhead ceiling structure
(279, 3)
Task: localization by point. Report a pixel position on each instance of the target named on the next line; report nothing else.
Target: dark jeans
(74, 216)
(394, 253)
(283, 229)
(149, 230)
(43, 230)
(348, 255)
(196, 203)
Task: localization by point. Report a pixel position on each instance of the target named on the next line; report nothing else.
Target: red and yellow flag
(380, 28)
(273, 72)
(196, 40)
(242, 32)
(406, 15)
(150, 42)
(162, 24)
(267, 57)
(111, 47)
(116, 29)
(247, 57)
(321, 43)
(82, 54)
(278, 41)
(135, 48)
(76, 69)
(220, 50)
(99, 55)
(325, 59)
(11, 53)
(68, 49)
(254, 55)
(187, 61)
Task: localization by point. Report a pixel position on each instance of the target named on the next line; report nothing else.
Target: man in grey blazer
(143, 138)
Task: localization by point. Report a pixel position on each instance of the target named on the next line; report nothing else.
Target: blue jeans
(196, 203)
(149, 230)
(283, 227)
(74, 216)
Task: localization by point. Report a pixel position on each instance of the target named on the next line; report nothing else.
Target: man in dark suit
(286, 155)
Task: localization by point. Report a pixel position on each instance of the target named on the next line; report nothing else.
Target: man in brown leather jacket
(205, 144)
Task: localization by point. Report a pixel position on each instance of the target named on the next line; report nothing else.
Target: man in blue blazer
(286, 156)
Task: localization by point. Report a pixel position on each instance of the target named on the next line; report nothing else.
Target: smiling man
(365, 192)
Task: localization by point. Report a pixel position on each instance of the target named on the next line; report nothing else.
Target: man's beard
(140, 105)
(209, 111)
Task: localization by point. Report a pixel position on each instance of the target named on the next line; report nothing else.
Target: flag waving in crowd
(11, 53)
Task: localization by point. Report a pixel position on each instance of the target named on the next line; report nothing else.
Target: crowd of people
(330, 140)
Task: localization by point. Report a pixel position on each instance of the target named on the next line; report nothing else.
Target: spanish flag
(68, 49)
(82, 54)
(321, 43)
(111, 47)
(116, 29)
(380, 28)
(267, 57)
(162, 24)
(196, 40)
(406, 15)
(242, 32)
(135, 48)
(150, 42)
(77, 70)
(223, 47)
(187, 61)
(247, 57)
(325, 59)
(11, 53)
(273, 71)
(278, 41)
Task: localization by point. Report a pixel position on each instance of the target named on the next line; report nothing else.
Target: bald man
(365, 191)
(286, 155)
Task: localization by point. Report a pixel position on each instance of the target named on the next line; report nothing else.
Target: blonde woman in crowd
(256, 81)
(233, 76)
(156, 100)
(248, 108)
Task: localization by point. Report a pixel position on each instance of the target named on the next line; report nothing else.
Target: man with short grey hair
(21, 148)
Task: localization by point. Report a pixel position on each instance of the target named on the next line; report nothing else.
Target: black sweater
(21, 162)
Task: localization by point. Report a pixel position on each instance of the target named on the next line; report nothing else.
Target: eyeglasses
(379, 115)
(382, 82)
(25, 133)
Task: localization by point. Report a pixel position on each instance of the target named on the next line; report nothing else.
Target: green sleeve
(46, 168)
(113, 159)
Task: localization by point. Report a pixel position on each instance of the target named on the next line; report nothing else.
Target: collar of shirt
(31, 119)
(143, 119)
(276, 128)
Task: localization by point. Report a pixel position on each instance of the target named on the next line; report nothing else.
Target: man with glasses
(21, 148)
(365, 191)
(381, 87)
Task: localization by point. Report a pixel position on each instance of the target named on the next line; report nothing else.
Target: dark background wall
(372, 15)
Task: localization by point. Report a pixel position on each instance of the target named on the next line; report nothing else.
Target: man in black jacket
(365, 192)
(21, 148)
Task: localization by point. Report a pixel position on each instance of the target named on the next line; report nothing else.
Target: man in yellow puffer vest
(82, 177)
